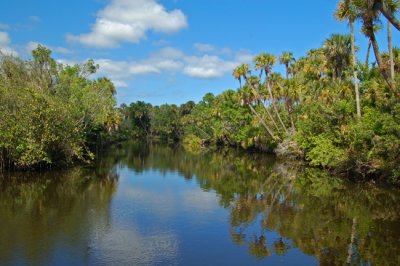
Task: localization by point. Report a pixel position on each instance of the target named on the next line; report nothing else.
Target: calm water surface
(162, 205)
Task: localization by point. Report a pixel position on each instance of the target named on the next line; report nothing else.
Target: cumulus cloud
(129, 21)
(121, 71)
(172, 61)
(207, 66)
(204, 47)
(56, 49)
(5, 44)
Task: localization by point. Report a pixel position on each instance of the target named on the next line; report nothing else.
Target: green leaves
(50, 112)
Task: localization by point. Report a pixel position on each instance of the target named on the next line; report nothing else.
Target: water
(162, 205)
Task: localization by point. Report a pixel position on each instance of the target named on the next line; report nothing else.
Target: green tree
(347, 10)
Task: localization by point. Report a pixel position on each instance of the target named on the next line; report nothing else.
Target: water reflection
(323, 216)
(142, 204)
(44, 214)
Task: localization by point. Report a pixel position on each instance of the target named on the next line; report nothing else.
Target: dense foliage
(51, 113)
(330, 108)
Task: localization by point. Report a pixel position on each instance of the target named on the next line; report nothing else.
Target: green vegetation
(331, 109)
(51, 113)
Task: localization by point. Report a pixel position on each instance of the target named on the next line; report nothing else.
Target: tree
(337, 50)
(388, 9)
(347, 10)
(392, 7)
(241, 72)
(287, 59)
(247, 96)
(369, 12)
(265, 62)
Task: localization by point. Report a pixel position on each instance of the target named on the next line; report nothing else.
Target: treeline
(52, 113)
(332, 109)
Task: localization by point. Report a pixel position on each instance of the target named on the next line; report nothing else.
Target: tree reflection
(274, 207)
(321, 215)
(38, 212)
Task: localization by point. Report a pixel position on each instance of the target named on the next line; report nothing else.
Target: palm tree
(247, 97)
(237, 75)
(265, 62)
(369, 11)
(287, 59)
(392, 6)
(337, 50)
(347, 10)
(254, 83)
(241, 71)
(386, 8)
(389, 34)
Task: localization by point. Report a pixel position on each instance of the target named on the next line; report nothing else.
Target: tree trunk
(270, 132)
(274, 106)
(368, 52)
(287, 71)
(389, 33)
(370, 31)
(257, 92)
(354, 61)
(292, 122)
(381, 5)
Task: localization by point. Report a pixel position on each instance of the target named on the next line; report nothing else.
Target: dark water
(159, 205)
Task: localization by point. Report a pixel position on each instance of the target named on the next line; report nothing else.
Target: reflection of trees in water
(38, 212)
(321, 215)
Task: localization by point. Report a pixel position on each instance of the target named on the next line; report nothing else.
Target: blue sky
(170, 51)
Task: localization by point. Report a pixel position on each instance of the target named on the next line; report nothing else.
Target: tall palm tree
(389, 35)
(265, 62)
(347, 10)
(392, 6)
(287, 59)
(337, 50)
(237, 75)
(247, 97)
(386, 8)
(241, 72)
(369, 11)
(254, 83)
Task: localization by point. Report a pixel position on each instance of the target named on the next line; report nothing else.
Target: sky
(170, 51)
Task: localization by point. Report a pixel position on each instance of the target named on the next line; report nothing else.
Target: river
(149, 204)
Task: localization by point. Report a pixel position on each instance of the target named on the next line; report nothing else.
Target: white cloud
(67, 62)
(208, 67)
(244, 56)
(204, 47)
(56, 49)
(128, 21)
(5, 44)
(4, 38)
(169, 53)
(120, 84)
(170, 61)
